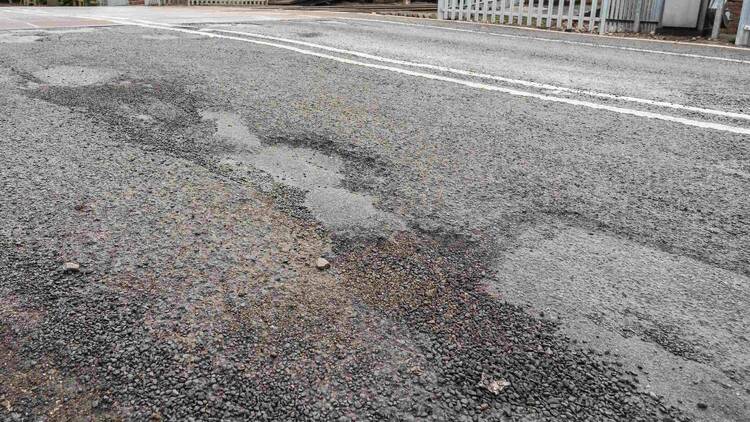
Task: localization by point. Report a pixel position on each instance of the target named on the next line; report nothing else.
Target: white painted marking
(521, 82)
(568, 34)
(470, 84)
(22, 22)
(581, 43)
(477, 85)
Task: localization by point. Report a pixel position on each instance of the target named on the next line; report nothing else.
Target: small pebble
(322, 264)
(71, 267)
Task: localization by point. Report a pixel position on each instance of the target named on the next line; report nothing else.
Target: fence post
(717, 19)
(743, 32)
(440, 9)
(603, 19)
(637, 19)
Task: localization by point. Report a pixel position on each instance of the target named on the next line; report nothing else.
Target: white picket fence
(634, 15)
(581, 15)
(227, 2)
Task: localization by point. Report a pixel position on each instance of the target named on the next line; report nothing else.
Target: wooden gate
(581, 15)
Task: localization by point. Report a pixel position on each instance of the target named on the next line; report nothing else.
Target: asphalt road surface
(520, 225)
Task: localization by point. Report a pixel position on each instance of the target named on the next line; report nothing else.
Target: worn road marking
(467, 83)
(20, 21)
(581, 43)
(521, 82)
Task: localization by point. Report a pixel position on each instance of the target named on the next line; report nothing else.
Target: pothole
(341, 209)
(231, 129)
(303, 168)
(318, 174)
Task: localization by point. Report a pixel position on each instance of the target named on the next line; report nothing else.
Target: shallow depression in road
(317, 173)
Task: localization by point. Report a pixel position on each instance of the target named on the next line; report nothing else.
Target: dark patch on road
(668, 336)
(113, 363)
(470, 338)
(155, 114)
(309, 34)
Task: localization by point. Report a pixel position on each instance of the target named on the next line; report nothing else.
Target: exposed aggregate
(198, 296)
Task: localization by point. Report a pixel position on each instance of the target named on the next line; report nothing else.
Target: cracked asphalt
(521, 225)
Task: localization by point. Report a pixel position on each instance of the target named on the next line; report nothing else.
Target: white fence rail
(581, 15)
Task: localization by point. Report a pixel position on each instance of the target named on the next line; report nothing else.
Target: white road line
(496, 34)
(581, 43)
(620, 110)
(561, 33)
(470, 84)
(521, 82)
(20, 21)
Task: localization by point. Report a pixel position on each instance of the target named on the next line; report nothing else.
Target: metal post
(743, 32)
(637, 20)
(717, 19)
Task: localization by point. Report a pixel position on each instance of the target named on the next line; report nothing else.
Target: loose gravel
(201, 292)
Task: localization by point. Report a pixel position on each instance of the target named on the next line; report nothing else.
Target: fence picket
(603, 17)
(581, 10)
(530, 13)
(637, 22)
(619, 10)
(570, 15)
(539, 13)
(550, 3)
(592, 16)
